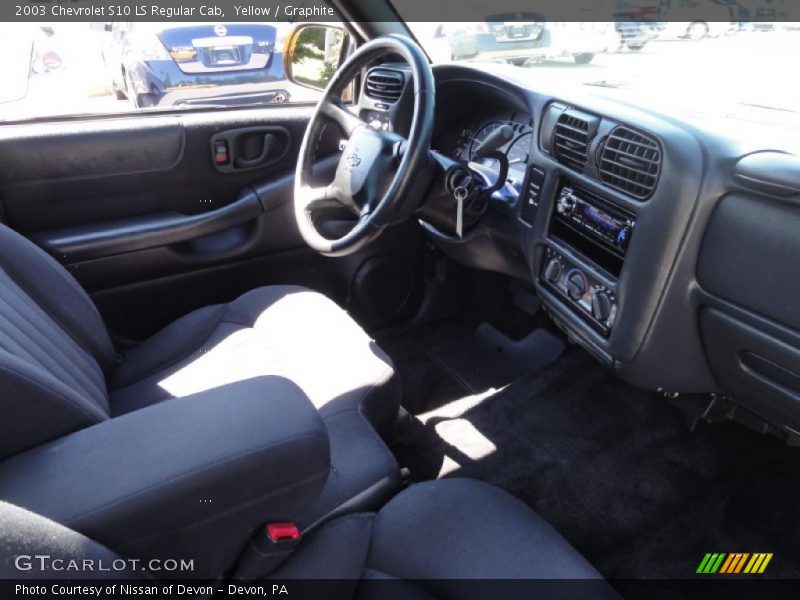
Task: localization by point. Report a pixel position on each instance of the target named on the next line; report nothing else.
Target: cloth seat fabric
(430, 541)
(286, 331)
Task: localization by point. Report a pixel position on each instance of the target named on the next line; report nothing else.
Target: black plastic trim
(109, 238)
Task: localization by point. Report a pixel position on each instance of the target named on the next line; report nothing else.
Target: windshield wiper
(766, 107)
(604, 83)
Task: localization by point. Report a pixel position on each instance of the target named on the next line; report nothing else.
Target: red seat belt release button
(268, 550)
(283, 532)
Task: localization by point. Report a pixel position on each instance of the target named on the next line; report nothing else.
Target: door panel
(81, 172)
(139, 211)
(81, 150)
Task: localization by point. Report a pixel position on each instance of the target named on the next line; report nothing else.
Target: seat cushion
(363, 475)
(435, 534)
(279, 330)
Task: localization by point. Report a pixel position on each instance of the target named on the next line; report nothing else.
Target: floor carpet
(485, 358)
(613, 468)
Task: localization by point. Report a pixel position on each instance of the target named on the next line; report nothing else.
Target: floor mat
(485, 358)
(614, 469)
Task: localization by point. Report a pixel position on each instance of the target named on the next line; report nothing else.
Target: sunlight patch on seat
(231, 359)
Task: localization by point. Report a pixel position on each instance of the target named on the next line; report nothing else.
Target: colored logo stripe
(710, 563)
(734, 563)
(732, 558)
(758, 564)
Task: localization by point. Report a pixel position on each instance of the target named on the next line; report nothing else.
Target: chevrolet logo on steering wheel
(352, 160)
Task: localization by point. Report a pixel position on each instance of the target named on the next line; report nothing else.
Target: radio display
(610, 228)
(589, 215)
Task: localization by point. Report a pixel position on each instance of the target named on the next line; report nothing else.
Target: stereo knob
(601, 305)
(576, 285)
(566, 205)
(552, 272)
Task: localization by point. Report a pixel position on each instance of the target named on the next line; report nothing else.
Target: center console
(162, 481)
(598, 230)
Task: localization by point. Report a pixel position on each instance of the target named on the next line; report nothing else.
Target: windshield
(721, 69)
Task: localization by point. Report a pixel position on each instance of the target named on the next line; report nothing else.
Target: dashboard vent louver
(385, 84)
(571, 139)
(630, 162)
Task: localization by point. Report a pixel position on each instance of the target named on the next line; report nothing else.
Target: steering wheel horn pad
(368, 158)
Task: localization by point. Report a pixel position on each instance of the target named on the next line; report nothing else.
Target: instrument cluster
(467, 136)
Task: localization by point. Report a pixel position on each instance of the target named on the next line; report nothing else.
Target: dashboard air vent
(385, 84)
(630, 162)
(571, 139)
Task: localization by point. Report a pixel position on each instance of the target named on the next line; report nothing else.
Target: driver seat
(59, 371)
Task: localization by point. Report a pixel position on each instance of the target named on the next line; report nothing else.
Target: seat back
(54, 349)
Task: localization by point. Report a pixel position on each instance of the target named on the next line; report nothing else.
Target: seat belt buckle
(283, 533)
(268, 549)
(277, 538)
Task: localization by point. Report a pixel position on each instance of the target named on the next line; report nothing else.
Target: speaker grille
(382, 286)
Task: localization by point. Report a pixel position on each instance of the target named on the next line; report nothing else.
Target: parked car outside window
(118, 67)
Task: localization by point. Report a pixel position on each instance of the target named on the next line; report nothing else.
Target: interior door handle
(270, 142)
(240, 162)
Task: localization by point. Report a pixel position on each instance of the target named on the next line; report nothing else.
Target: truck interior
(449, 322)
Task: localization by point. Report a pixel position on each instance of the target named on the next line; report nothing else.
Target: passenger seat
(428, 540)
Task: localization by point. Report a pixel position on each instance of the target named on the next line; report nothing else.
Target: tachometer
(519, 151)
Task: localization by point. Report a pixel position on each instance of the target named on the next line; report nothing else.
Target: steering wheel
(377, 169)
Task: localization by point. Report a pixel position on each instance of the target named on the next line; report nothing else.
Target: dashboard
(666, 250)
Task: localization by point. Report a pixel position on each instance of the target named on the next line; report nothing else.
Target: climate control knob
(601, 305)
(576, 284)
(552, 271)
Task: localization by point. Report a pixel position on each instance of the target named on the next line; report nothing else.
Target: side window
(105, 68)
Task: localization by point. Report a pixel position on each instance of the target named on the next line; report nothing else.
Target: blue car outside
(229, 64)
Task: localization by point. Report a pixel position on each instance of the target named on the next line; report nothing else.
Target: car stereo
(593, 226)
(595, 219)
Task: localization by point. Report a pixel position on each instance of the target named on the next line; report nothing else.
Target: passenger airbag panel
(749, 256)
